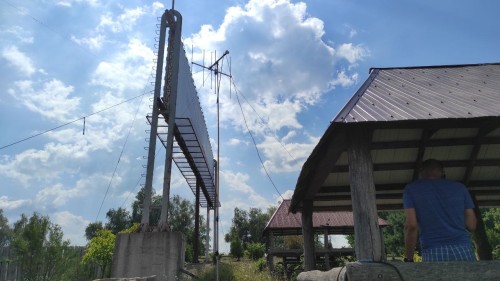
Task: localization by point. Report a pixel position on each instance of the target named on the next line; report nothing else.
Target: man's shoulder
(453, 183)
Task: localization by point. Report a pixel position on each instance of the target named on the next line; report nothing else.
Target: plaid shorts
(449, 253)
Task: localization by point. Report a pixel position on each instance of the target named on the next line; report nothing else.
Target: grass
(230, 269)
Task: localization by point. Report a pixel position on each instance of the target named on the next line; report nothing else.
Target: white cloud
(57, 195)
(287, 65)
(285, 195)
(7, 204)
(18, 59)
(43, 165)
(128, 69)
(350, 31)
(123, 22)
(157, 6)
(20, 34)
(70, 3)
(234, 142)
(279, 160)
(237, 182)
(51, 100)
(73, 226)
(345, 80)
(93, 43)
(352, 53)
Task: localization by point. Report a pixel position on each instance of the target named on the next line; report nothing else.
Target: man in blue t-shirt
(443, 211)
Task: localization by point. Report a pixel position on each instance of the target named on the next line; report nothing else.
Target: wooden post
(196, 240)
(308, 233)
(270, 250)
(366, 228)
(327, 248)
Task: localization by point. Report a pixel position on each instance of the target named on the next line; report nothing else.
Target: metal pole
(154, 127)
(208, 235)
(196, 242)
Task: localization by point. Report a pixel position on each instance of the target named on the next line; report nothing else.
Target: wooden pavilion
(283, 223)
(376, 143)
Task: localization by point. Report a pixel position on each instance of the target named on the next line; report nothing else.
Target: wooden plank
(366, 228)
(308, 233)
(443, 271)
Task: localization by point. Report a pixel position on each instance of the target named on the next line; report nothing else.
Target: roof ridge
(434, 66)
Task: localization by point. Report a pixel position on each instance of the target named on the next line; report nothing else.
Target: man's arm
(411, 228)
(470, 220)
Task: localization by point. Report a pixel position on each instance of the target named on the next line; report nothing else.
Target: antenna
(214, 68)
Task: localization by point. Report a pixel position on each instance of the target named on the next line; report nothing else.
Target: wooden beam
(426, 135)
(366, 228)
(326, 162)
(381, 145)
(474, 186)
(308, 233)
(411, 165)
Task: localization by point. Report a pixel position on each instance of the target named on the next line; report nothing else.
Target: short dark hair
(431, 164)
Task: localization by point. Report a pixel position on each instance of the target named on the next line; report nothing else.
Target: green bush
(256, 250)
(261, 264)
(225, 273)
(236, 249)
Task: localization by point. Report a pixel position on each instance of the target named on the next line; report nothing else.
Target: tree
(92, 229)
(249, 226)
(236, 249)
(492, 225)
(393, 234)
(118, 220)
(256, 250)
(5, 231)
(40, 248)
(100, 250)
(181, 218)
(137, 205)
(257, 221)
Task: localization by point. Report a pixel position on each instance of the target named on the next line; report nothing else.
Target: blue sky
(295, 64)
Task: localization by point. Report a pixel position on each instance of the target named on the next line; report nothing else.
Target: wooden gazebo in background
(398, 118)
(283, 223)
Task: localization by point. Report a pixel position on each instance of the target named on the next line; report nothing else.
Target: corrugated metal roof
(450, 113)
(423, 93)
(288, 223)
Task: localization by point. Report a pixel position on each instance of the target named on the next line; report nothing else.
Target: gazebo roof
(285, 223)
(451, 113)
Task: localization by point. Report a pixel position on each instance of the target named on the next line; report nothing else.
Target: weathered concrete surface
(442, 271)
(335, 274)
(146, 254)
(150, 278)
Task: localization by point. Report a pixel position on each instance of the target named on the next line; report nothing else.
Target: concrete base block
(159, 254)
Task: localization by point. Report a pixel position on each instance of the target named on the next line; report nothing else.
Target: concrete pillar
(147, 254)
